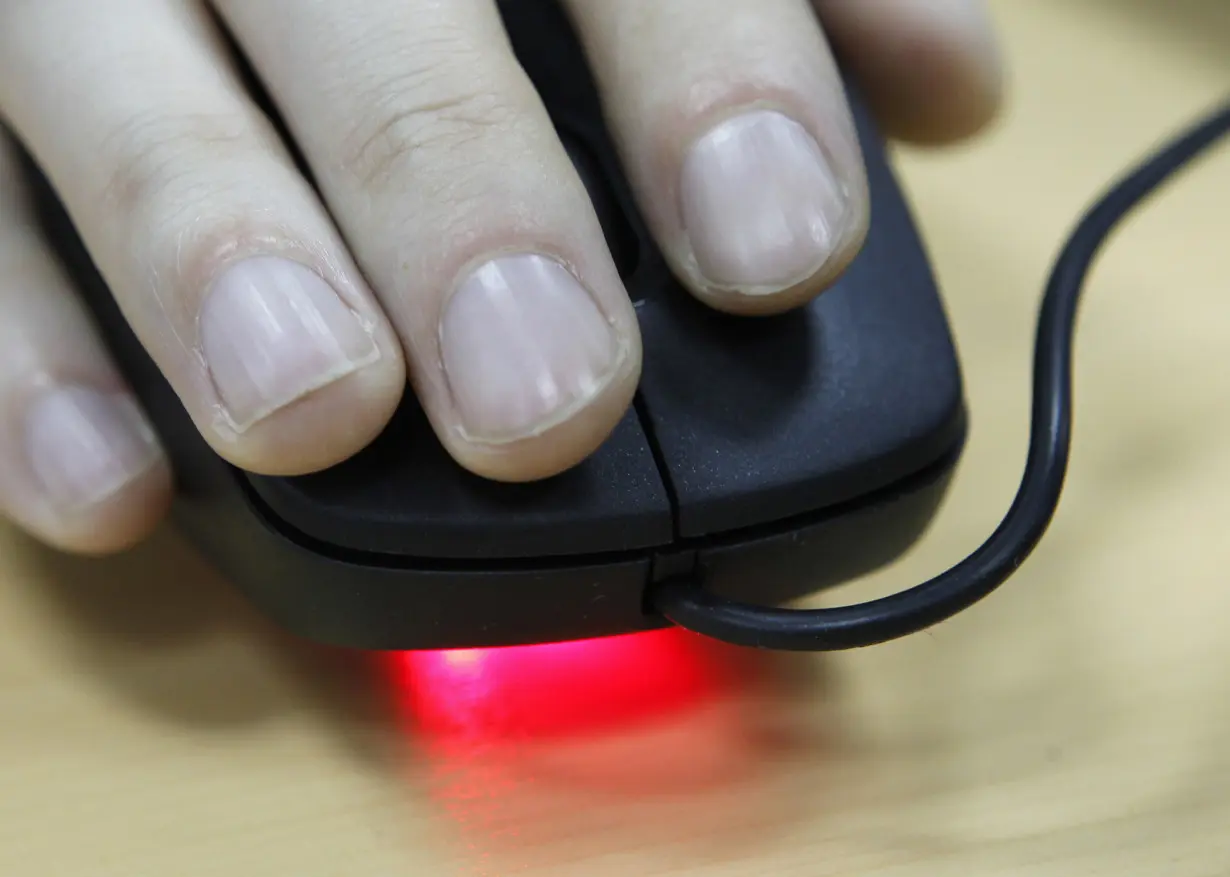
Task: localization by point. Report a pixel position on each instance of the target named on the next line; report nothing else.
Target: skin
(433, 156)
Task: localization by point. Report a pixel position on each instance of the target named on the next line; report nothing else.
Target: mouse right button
(761, 419)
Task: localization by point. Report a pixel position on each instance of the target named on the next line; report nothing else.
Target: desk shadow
(158, 628)
(662, 744)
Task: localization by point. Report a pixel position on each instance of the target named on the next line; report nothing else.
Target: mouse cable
(688, 604)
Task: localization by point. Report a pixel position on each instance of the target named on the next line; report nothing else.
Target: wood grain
(1077, 723)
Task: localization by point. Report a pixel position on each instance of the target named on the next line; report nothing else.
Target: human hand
(451, 241)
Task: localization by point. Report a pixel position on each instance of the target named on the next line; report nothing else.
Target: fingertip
(952, 98)
(118, 523)
(297, 370)
(530, 358)
(741, 151)
(770, 217)
(932, 72)
(320, 429)
(560, 448)
(81, 467)
(743, 302)
(91, 477)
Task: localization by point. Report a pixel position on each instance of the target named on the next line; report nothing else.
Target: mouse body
(771, 456)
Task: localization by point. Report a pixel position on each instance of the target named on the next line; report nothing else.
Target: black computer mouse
(771, 457)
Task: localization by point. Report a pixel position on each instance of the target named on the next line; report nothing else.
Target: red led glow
(536, 752)
(560, 688)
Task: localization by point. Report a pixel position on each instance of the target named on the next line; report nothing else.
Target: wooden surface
(1077, 723)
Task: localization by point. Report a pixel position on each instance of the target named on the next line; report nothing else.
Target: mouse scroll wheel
(620, 237)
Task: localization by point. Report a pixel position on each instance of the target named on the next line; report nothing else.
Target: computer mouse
(770, 457)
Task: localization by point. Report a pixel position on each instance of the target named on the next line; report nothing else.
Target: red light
(526, 750)
(559, 688)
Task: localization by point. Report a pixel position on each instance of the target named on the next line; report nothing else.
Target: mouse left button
(403, 495)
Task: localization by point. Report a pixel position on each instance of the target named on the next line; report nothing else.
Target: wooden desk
(1077, 723)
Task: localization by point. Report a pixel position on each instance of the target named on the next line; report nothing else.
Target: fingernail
(272, 332)
(85, 446)
(762, 206)
(524, 346)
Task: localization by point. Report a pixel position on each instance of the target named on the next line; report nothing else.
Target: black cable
(688, 604)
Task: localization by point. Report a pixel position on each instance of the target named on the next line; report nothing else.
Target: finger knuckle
(411, 119)
(151, 155)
